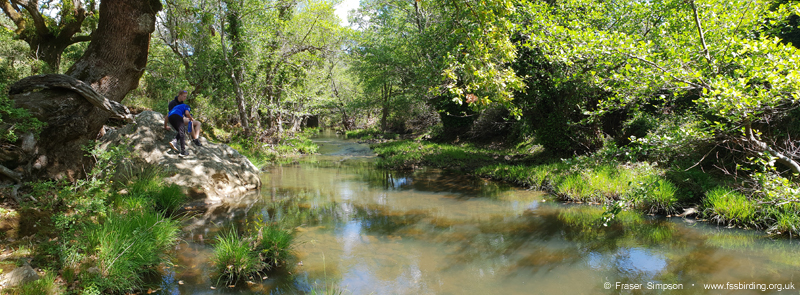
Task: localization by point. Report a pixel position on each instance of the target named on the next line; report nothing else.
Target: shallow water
(362, 230)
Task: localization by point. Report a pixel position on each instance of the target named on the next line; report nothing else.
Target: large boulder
(215, 171)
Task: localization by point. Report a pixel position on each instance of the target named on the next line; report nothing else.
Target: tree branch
(700, 31)
(117, 110)
(652, 64)
(14, 15)
(762, 146)
(79, 39)
(73, 27)
(10, 174)
(38, 20)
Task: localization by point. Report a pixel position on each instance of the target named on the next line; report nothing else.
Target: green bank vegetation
(618, 186)
(101, 234)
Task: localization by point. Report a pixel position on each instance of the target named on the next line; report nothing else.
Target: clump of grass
(233, 258)
(366, 133)
(169, 198)
(273, 244)
(408, 154)
(124, 246)
(238, 257)
(147, 189)
(728, 206)
(575, 187)
(661, 197)
(537, 177)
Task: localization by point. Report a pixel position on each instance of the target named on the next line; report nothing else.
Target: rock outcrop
(215, 171)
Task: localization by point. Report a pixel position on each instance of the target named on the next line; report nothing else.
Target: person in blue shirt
(175, 118)
(193, 128)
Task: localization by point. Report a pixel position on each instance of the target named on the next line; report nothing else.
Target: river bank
(644, 187)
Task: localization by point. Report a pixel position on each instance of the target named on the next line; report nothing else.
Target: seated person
(194, 129)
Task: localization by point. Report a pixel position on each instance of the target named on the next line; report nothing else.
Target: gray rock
(20, 276)
(215, 171)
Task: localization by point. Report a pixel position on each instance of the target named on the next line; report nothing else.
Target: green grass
(239, 257)
(662, 197)
(641, 186)
(233, 258)
(261, 154)
(366, 133)
(273, 244)
(731, 207)
(147, 189)
(407, 154)
(123, 247)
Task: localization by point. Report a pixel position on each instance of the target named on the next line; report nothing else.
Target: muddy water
(362, 230)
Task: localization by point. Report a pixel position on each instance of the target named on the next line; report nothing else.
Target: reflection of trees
(433, 180)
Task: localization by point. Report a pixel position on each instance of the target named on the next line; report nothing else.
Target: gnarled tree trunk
(111, 67)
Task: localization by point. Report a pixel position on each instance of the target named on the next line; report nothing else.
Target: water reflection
(368, 231)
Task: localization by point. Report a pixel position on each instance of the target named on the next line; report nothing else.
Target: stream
(363, 230)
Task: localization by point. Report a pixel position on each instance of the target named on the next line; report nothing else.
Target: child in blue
(175, 118)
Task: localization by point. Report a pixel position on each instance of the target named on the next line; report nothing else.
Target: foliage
(16, 121)
(738, 76)
(50, 27)
(253, 62)
(260, 153)
(146, 189)
(13, 66)
(553, 103)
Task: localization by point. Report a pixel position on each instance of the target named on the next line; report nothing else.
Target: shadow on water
(361, 230)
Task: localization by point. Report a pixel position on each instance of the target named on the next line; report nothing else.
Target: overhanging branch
(117, 110)
(762, 146)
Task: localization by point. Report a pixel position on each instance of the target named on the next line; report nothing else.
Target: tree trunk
(111, 66)
(234, 61)
(387, 92)
(48, 51)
